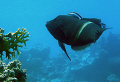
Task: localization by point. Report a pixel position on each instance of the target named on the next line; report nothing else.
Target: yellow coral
(11, 41)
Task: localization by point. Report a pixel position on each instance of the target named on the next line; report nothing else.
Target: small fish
(75, 15)
(75, 31)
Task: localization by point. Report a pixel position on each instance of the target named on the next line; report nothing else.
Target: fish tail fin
(107, 28)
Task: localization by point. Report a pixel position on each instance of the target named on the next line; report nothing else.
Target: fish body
(75, 31)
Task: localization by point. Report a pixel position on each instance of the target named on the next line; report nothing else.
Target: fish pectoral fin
(79, 48)
(63, 48)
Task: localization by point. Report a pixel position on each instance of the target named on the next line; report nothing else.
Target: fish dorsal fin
(76, 15)
(63, 48)
(79, 48)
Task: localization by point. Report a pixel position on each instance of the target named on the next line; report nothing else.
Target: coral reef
(113, 78)
(11, 41)
(36, 53)
(94, 64)
(12, 72)
(45, 68)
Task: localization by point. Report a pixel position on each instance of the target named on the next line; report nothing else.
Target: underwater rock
(33, 55)
(111, 44)
(37, 51)
(12, 72)
(113, 78)
(90, 66)
(40, 51)
(37, 55)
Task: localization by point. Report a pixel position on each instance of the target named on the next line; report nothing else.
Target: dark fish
(76, 31)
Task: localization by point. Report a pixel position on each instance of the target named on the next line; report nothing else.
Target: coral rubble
(12, 72)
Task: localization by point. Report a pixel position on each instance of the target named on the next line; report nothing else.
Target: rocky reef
(98, 63)
(11, 41)
(12, 72)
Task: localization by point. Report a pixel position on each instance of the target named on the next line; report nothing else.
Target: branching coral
(11, 41)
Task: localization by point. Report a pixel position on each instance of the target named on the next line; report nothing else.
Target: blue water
(33, 15)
